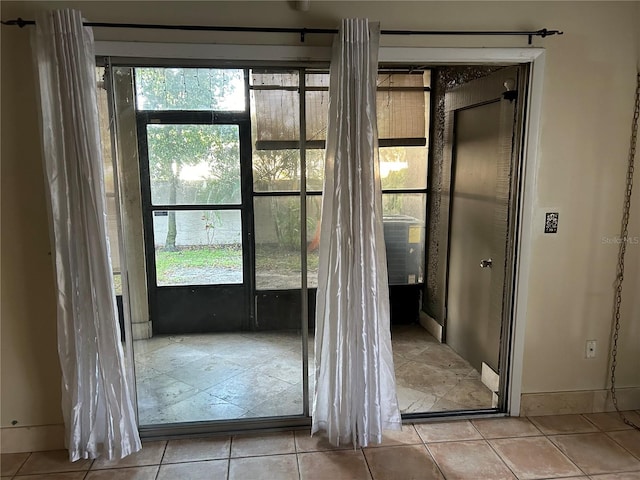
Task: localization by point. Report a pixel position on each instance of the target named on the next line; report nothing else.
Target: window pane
(276, 110)
(317, 79)
(314, 208)
(109, 181)
(190, 89)
(198, 247)
(401, 102)
(276, 170)
(275, 130)
(404, 236)
(317, 114)
(403, 167)
(315, 169)
(277, 237)
(194, 164)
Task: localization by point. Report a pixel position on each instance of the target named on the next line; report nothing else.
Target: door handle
(486, 263)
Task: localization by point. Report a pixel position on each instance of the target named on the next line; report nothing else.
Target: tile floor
(597, 447)
(183, 378)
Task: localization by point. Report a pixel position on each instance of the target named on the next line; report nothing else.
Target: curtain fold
(96, 401)
(355, 397)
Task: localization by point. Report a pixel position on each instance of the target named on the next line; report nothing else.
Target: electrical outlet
(591, 349)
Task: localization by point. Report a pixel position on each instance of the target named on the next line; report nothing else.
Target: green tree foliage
(173, 147)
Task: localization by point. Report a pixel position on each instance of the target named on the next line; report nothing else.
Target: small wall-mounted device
(551, 222)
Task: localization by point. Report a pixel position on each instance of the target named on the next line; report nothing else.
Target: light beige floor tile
(266, 444)
(201, 406)
(211, 469)
(617, 476)
(287, 402)
(170, 357)
(249, 389)
(345, 464)
(596, 453)
(470, 393)
(316, 443)
(285, 367)
(206, 372)
(443, 357)
(281, 467)
(403, 462)
(53, 476)
(531, 458)
(570, 478)
(505, 427)
(629, 439)
(428, 379)
(249, 353)
(11, 462)
(193, 450)
(557, 424)
(406, 436)
(447, 431)
(611, 421)
(131, 473)
(443, 404)
(470, 460)
(151, 454)
(142, 347)
(413, 401)
(52, 462)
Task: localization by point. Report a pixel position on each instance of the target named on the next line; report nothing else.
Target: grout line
(619, 444)
(22, 464)
(504, 462)
(565, 455)
(229, 457)
(164, 451)
(295, 449)
(434, 461)
(366, 462)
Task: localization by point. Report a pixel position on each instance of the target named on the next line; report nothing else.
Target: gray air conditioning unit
(404, 239)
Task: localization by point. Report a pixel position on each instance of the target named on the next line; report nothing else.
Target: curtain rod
(301, 31)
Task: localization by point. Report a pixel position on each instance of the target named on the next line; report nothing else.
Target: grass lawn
(169, 264)
(269, 258)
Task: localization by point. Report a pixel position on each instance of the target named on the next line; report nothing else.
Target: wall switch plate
(591, 349)
(551, 222)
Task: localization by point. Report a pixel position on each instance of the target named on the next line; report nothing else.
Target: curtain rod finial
(20, 22)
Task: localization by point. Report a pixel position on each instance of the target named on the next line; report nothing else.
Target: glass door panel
(277, 223)
(194, 164)
(207, 251)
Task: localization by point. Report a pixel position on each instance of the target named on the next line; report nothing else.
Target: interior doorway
(481, 143)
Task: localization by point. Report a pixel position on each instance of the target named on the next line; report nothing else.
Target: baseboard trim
(431, 326)
(31, 439)
(584, 401)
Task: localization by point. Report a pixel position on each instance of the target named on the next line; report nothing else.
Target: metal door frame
(490, 95)
(243, 121)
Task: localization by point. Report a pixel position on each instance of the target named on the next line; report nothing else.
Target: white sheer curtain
(96, 402)
(355, 397)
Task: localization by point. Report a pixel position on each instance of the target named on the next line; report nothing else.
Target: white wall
(588, 90)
